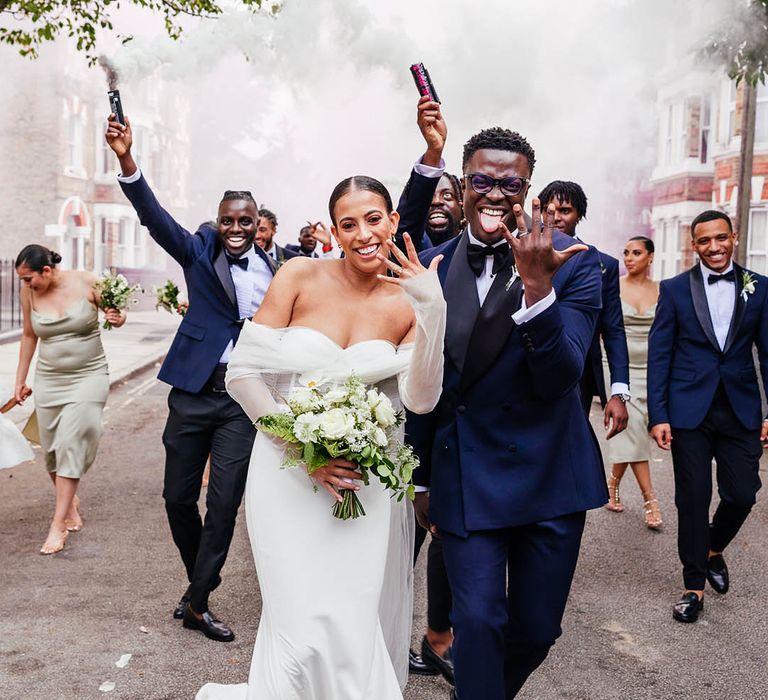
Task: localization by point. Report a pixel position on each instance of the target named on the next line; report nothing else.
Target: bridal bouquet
(349, 421)
(171, 298)
(115, 293)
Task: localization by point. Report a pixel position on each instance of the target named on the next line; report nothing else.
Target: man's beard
(445, 233)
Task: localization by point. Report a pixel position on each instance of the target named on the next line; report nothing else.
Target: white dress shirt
(721, 300)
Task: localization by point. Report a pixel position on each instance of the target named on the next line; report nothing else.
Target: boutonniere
(512, 279)
(747, 284)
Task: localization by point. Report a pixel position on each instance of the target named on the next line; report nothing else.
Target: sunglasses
(510, 186)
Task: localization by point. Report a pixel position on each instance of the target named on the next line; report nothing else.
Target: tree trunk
(741, 224)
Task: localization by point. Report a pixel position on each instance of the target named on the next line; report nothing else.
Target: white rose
(384, 412)
(182, 298)
(373, 398)
(379, 437)
(305, 427)
(336, 423)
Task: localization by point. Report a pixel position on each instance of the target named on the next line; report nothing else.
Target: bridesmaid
(71, 380)
(632, 447)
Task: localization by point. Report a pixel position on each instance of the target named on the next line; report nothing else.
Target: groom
(704, 400)
(509, 464)
(227, 277)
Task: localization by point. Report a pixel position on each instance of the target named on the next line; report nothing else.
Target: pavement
(141, 342)
(70, 620)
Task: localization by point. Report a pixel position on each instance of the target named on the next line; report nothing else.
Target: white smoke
(289, 105)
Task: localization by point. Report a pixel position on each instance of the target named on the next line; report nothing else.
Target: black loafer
(687, 609)
(417, 667)
(181, 606)
(208, 625)
(717, 574)
(442, 664)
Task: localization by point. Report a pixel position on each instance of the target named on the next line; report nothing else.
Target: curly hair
(565, 191)
(499, 139)
(269, 216)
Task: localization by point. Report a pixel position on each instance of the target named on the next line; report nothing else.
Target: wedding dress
(337, 594)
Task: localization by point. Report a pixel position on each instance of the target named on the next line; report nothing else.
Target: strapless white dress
(337, 595)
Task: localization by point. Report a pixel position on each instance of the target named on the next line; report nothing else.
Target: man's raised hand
(536, 259)
(434, 130)
(119, 136)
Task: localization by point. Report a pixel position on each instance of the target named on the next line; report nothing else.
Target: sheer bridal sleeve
(421, 383)
(245, 380)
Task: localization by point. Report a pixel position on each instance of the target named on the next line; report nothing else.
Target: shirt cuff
(619, 388)
(420, 489)
(428, 170)
(130, 178)
(525, 313)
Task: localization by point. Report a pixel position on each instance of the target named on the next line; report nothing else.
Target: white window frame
(759, 266)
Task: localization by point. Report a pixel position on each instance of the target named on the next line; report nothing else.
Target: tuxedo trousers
(509, 589)
(438, 589)
(211, 423)
(737, 452)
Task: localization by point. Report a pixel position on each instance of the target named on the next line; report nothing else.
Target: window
(106, 161)
(761, 114)
(141, 150)
(75, 144)
(666, 261)
(706, 123)
(757, 248)
(732, 111)
(668, 135)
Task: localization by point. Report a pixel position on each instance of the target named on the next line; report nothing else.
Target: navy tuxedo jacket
(213, 317)
(610, 327)
(413, 208)
(685, 363)
(508, 443)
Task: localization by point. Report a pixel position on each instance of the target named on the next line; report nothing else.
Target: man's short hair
(499, 139)
(565, 191)
(230, 195)
(269, 216)
(710, 215)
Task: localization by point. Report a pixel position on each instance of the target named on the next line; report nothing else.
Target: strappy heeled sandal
(652, 512)
(614, 502)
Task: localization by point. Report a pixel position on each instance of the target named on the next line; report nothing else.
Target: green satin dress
(634, 444)
(71, 388)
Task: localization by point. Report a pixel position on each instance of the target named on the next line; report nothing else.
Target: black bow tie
(728, 277)
(477, 255)
(242, 263)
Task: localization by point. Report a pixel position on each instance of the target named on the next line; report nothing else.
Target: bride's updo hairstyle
(358, 182)
(36, 257)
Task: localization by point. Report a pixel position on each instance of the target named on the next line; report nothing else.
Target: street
(67, 619)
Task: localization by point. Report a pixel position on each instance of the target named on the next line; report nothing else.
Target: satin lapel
(221, 267)
(738, 309)
(701, 306)
(494, 324)
(460, 292)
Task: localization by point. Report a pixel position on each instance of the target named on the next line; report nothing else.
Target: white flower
(301, 399)
(313, 380)
(181, 297)
(748, 284)
(336, 423)
(305, 427)
(379, 437)
(384, 412)
(337, 395)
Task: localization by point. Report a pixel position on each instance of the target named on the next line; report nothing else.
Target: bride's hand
(332, 476)
(408, 267)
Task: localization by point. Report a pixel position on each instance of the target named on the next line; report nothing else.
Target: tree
(29, 24)
(742, 47)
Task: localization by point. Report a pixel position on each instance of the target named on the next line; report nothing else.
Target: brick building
(57, 175)
(697, 167)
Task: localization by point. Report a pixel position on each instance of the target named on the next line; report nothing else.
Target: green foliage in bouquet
(115, 293)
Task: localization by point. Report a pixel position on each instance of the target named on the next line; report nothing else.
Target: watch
(624, 398)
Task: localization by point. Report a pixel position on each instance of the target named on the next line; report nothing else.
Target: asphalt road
(66, 620)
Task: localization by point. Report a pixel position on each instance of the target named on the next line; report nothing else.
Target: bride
(337, 594)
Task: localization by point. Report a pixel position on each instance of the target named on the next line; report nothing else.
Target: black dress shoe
(687, 609)
(717, 574)
(181, 606)
(208, 625)
(442, 664)
(417, 666)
